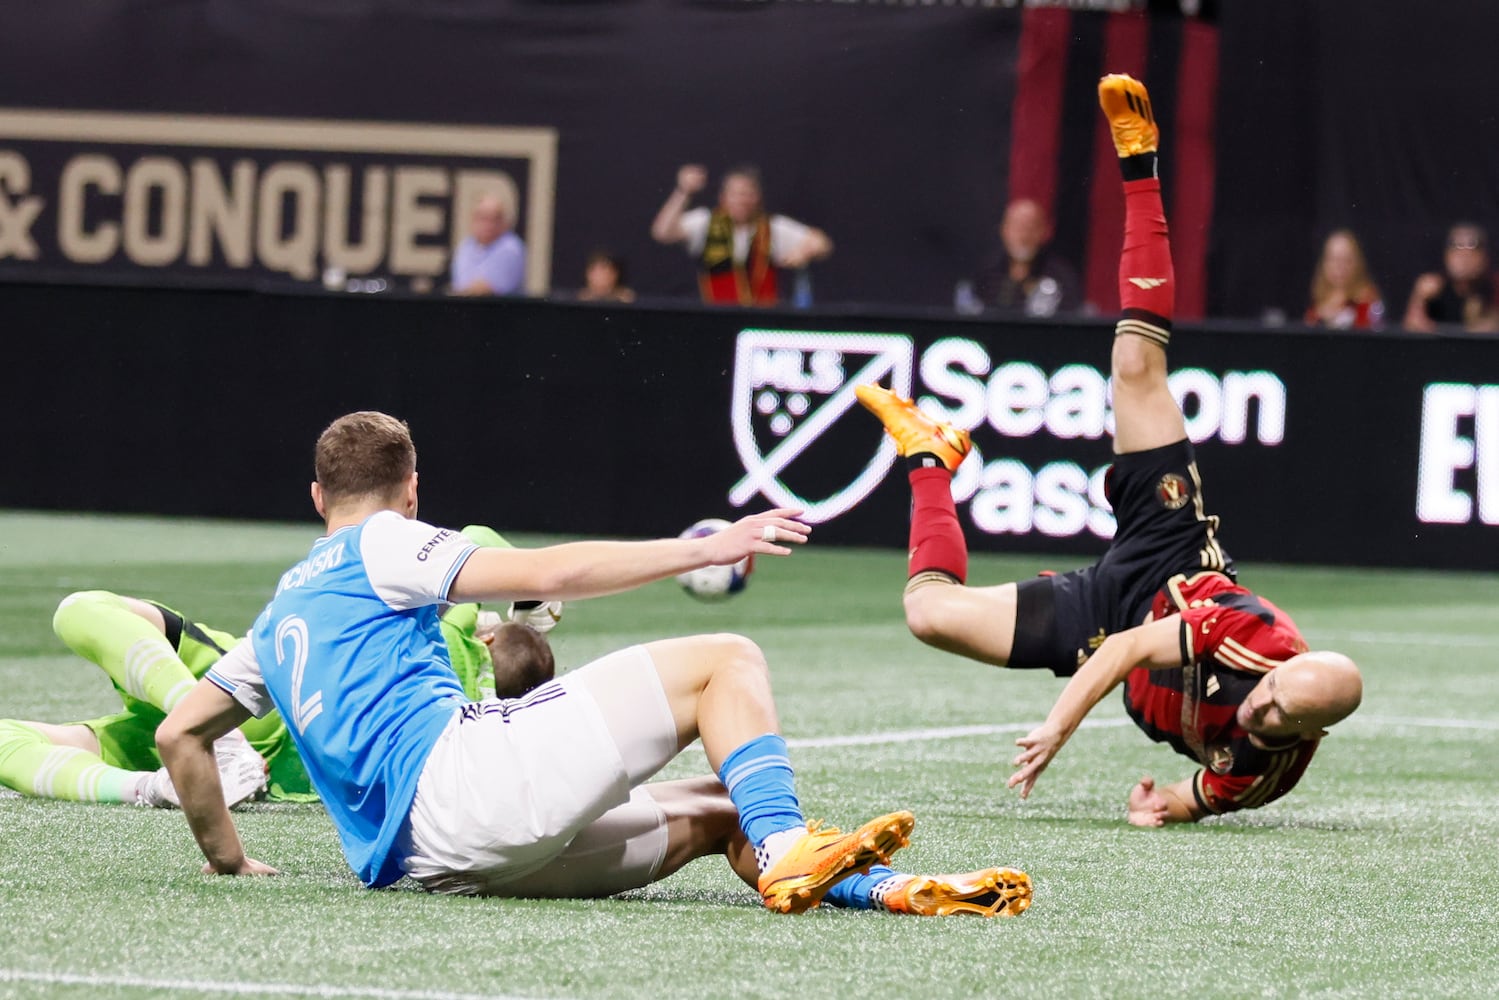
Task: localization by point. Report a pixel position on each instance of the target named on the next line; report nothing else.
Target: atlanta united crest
(790, 388)
(1220, 759)
(1173, 491)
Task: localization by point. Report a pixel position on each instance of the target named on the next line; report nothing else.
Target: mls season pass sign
(804, 440)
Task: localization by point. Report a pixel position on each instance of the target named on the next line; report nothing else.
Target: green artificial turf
(1375, 877)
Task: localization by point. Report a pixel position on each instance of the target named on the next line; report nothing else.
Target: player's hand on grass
(1147, 807)
(249, 866)
(760, 534)
(1037, 749)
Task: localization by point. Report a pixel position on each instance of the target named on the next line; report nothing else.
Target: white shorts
(512, 786)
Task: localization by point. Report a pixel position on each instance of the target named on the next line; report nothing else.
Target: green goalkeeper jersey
(470, 657)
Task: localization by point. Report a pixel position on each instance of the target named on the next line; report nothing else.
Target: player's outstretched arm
(1152, 806)
(1156, 645)
(591, 569)
(185, 741)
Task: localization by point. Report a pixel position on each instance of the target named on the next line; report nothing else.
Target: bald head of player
(1303, 696)
(364, 462)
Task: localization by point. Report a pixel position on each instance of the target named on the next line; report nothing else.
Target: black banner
(1322, 448)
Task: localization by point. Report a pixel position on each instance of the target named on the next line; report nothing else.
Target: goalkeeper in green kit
(154, 656)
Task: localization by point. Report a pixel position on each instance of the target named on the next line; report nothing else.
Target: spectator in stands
(1024, 275)
(491, 260)
(604, 279)
(1344, 297)
(741, 251)
(1461, 296)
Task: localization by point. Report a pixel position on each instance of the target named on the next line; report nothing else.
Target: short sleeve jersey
(350, 651)
(1230, 638)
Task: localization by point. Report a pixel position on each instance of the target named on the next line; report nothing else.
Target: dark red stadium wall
(546, 417)
(1062, 55)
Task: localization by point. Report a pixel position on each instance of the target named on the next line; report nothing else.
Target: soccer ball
(715, 583)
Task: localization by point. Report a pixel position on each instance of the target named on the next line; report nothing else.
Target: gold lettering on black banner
(287, 196)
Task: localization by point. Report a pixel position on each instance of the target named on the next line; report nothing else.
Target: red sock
(1146, 258)
(936, 537)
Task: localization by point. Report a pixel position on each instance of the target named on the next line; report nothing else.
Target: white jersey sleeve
(786, 234)
(237, 673)
(695, 225)
(411, 563)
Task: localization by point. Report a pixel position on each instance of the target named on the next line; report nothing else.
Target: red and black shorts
(1162, 530)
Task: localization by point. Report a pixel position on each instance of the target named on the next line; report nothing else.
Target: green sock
(100, 627)
(33, 765)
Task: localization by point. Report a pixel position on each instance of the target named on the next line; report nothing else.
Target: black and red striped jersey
(1230, 638)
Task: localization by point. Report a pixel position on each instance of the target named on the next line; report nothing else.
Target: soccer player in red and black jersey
(1217, 672)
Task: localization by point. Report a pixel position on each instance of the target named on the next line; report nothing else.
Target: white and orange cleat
(990, 892)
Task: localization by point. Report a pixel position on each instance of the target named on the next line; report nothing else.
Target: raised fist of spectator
(691, 179)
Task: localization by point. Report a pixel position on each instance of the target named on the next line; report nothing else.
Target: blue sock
(759, 779)
(853, 893)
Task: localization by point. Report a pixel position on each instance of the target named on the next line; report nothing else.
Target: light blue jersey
(349, 650)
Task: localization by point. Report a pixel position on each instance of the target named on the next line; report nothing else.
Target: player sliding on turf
(1220, 674)
(160, 654)
(501, 797)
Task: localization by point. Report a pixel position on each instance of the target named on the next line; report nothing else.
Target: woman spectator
(1462, 295)
(1344, 297)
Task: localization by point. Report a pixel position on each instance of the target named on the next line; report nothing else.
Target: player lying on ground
(476, 797)
(153, 656)
(1219, 673)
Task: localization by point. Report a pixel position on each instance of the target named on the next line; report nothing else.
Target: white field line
(1406, 638)
(1394, 721)
(238, 989)
(963, 732)
(945, 733)
(960, 732)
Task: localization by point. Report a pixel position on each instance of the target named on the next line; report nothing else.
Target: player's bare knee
(171, 737)
(926, 613)
(1137, 363)
(733, 653)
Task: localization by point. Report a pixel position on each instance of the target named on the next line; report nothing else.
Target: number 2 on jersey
(292, 631)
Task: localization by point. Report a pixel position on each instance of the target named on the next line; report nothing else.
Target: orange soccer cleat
(1126, 104)
(915, 432)
(826, 856)
(991, 892)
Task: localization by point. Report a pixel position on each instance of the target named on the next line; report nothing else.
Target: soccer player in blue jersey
(476, 797)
